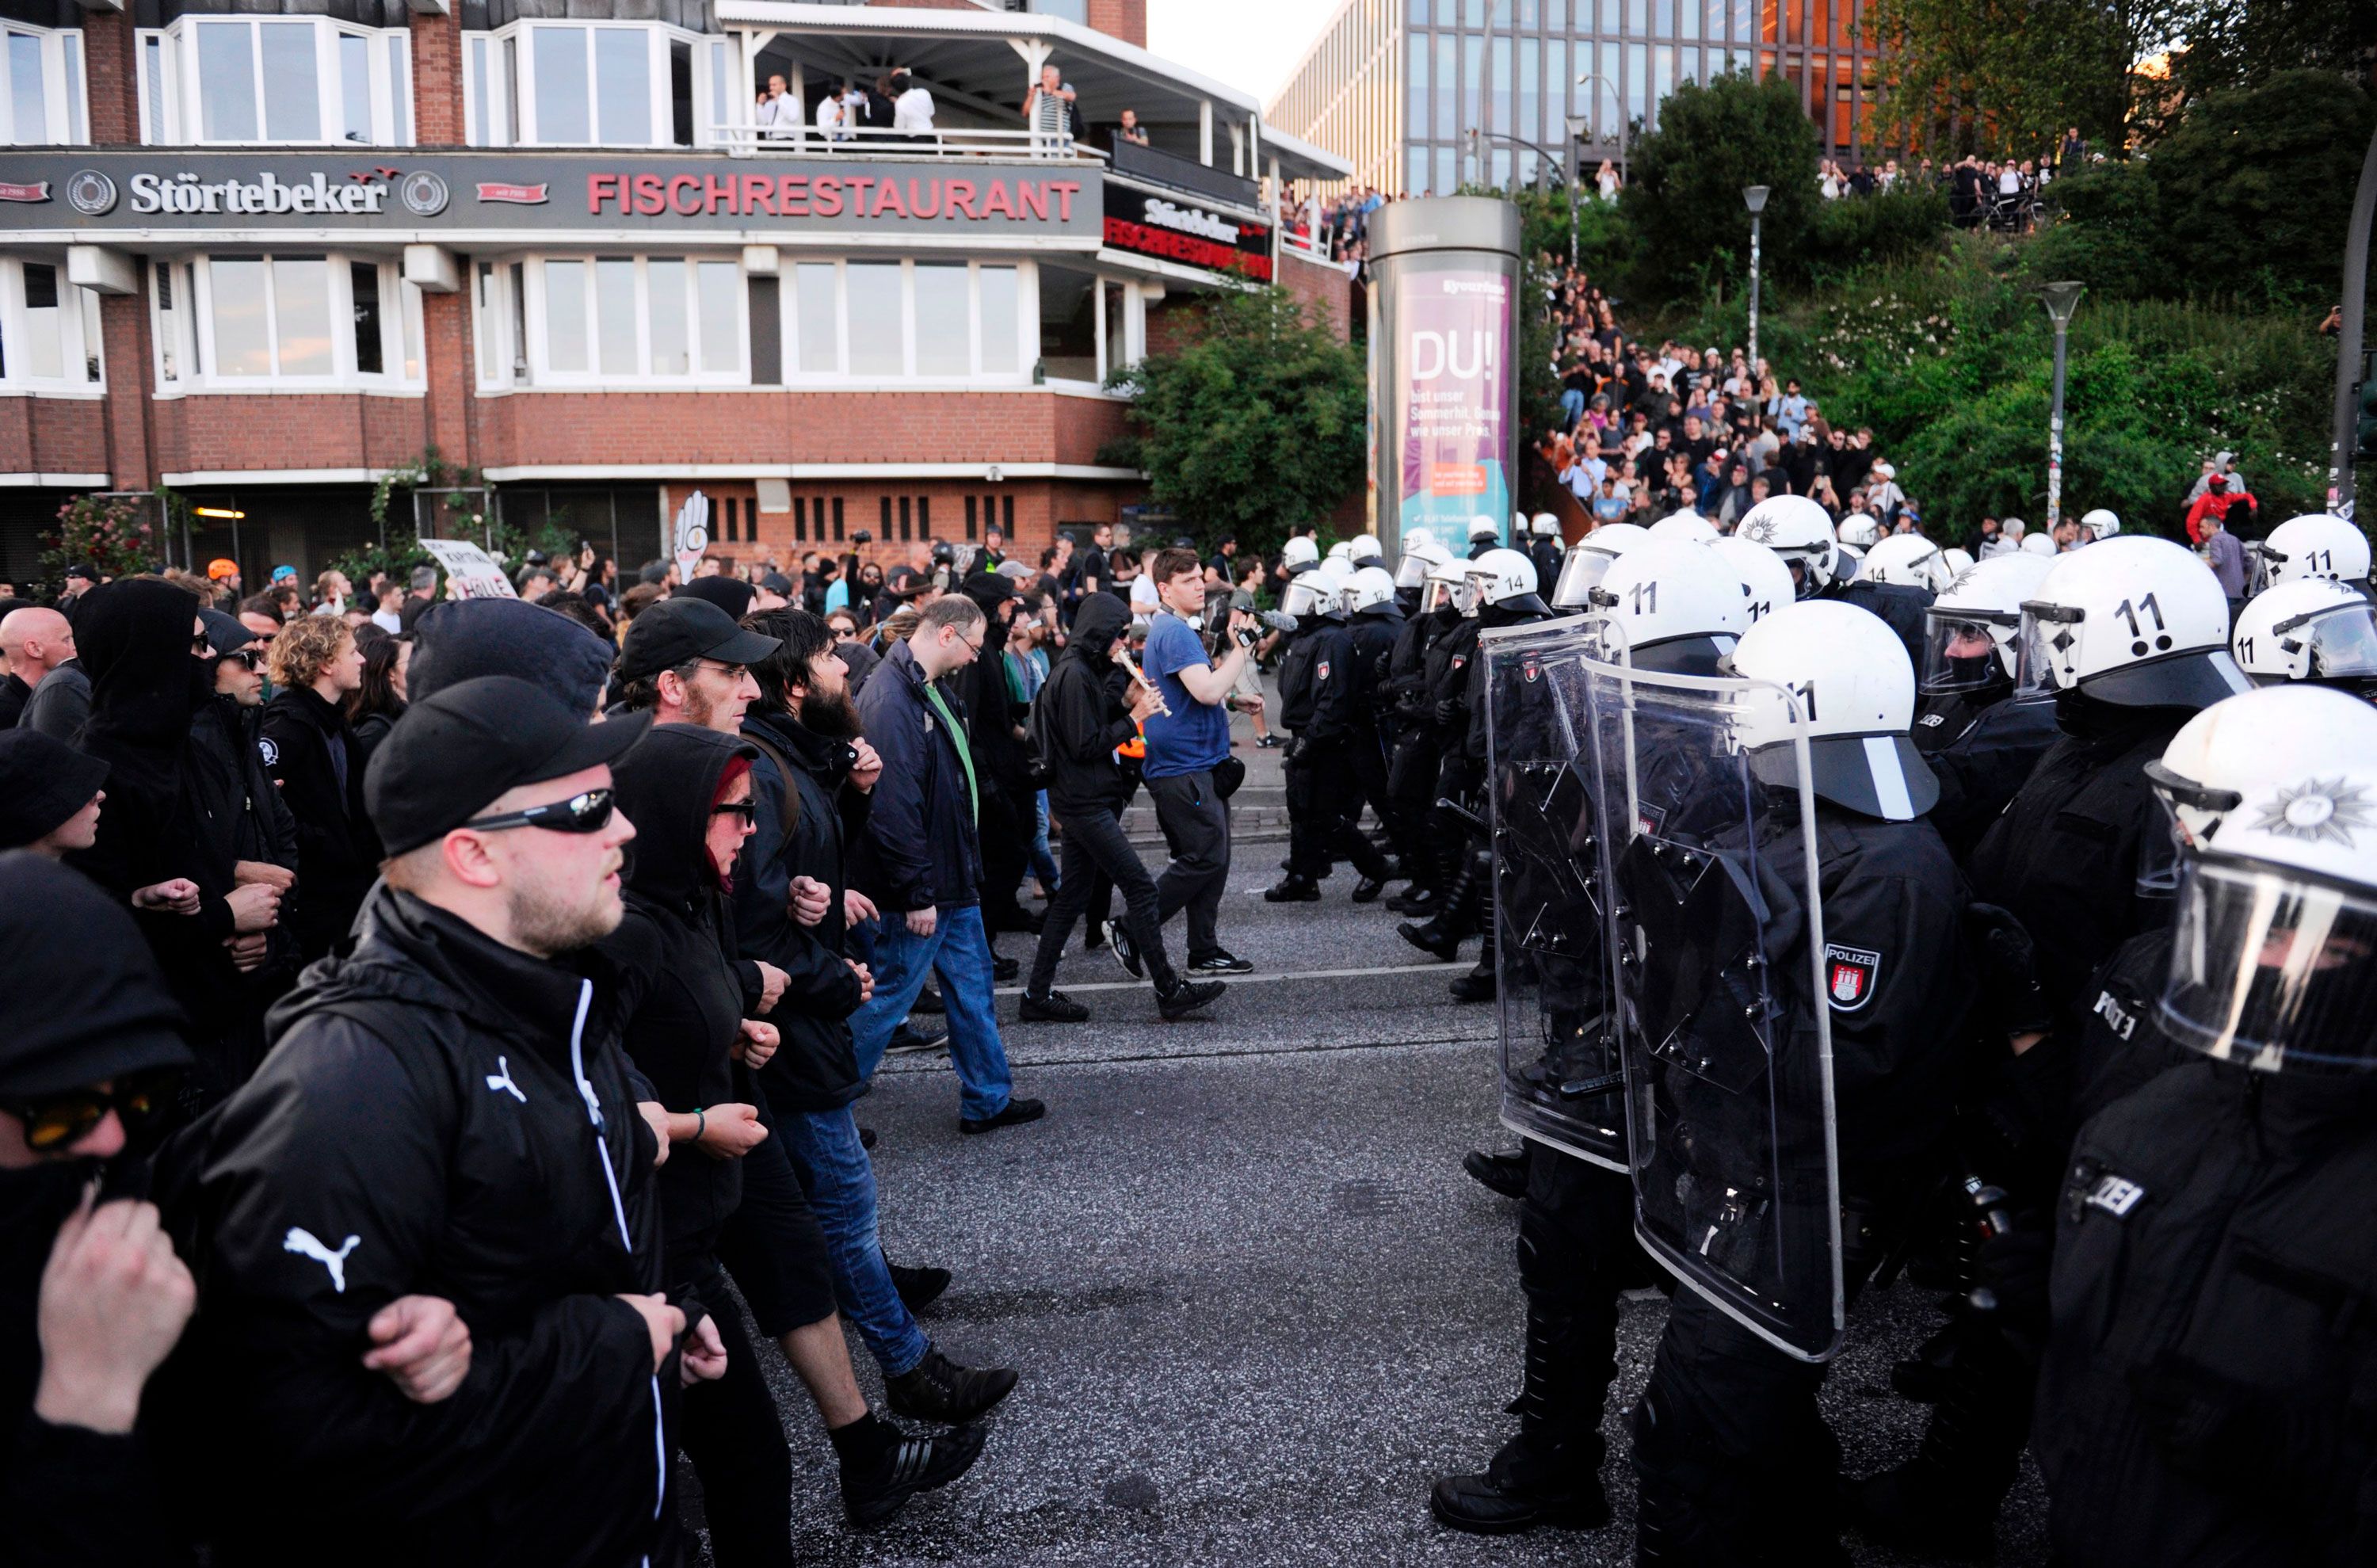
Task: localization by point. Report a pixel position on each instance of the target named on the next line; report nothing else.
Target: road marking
(1258, 979)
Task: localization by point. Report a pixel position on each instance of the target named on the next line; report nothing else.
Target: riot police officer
(2204, 1390)
(2309, 629)
(2314, 545)
(1334, 758)
(1732, 1460)
(1429, 575)
(1577, 1251)
(1312, 765)
(1484, 535)
(1453, 913)
(1544, 546)
(1375, 621)
(1980, 742)
(1800, 532)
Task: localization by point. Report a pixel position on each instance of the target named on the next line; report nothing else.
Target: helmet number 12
(2131, 615)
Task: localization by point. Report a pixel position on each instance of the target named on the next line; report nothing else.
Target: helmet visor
(2262, 565)
(1960, 650)
(2343, 639)
(1411, 572)
(2048, 644)
(1434, 594)
(2160, 847)
(1578, 576)
(2272, 971)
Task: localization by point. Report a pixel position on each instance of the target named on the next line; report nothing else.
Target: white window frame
(66, 99)
(702, 377)
(1027, 326)
(180, 119)
(506, 56)
(188, 330)
(78, 344)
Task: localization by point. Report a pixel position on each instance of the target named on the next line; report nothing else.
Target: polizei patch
(2117, 1195)
(1851, 973)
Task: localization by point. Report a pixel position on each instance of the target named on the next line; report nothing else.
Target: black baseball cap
(681, 628)
(454, 752)
(777, 582)
(906, 582)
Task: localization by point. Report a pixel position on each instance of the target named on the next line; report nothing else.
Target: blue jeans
(1044, 859)
(824, 1146)
(959, 950)
(1571, 406)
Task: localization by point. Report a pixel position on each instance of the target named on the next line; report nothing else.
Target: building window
(661, 319)
(251, 321)
(550, 84)
(42, 92)
(49, 330)
(886, 320)
(284, 80)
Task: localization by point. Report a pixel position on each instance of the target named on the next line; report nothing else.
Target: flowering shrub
(113, 533)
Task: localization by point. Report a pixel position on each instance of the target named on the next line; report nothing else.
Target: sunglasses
(586, 813)
(60, 1121)
(746, 809)
(253, 658)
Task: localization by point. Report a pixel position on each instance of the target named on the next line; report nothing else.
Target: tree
(1257, 423)
(2008, 76)
(2233, 44)
(1684, 192)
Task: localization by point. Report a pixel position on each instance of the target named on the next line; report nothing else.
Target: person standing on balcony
(1048, 110)
(912, 106)
(1132, 131)
(776, 113)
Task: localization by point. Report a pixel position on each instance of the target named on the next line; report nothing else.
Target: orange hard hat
(221, 568)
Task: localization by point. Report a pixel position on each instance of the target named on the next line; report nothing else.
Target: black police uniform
(1411, 770)
(1374, 631)
(1296, 698)
(1545, 554)
(2208, 1380)
(1321, 763)
(1733, 1462)
(1983, 747)
(1900, 608)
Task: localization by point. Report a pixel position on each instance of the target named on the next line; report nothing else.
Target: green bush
(2106, 232)
(1683, 190)
(1856, 233)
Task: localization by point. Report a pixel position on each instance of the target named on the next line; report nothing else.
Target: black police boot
(1294, 888)
(1943, 1503)
(937, 1389)
(1550, 1473)
(1479, 984)
(1504, 1175)
(1440, 935)
(1368, 889)
(1417, 899)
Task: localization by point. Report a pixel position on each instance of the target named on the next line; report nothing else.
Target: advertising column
(1444, 347)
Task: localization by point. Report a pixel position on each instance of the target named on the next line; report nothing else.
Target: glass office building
(1397, 86)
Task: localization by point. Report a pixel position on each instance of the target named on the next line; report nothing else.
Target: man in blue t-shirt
(1183, 748)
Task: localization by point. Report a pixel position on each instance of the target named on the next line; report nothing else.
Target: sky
(1249, 44)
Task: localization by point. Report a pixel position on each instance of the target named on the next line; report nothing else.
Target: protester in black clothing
(374, 706)
(309, 751)
(422, 1122)
(92, 1296)
(237, 792)
(994, 714)
(158, 849)
(1078, 721)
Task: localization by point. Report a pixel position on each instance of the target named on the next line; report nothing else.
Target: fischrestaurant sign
(152, 191)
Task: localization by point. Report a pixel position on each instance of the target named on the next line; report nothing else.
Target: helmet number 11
(2147, 604)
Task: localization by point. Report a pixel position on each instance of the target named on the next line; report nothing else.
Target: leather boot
(1550, 1473)
(1480, 983)
(1440, 935)
(1944, 1501)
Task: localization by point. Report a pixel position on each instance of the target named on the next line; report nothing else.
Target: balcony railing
(1184, 174)
(873, 142)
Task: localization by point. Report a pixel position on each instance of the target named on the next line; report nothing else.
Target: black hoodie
(680, 993)
(1076, 720)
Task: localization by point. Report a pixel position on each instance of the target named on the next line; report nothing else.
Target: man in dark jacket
(920, 862)
(810, 791)
(445, 1109)
(994, 713)
(239, 795)
(1078, 723)
(305, 746)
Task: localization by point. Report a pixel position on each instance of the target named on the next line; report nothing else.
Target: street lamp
(1614, 98)
(1754, 198)
(2060, 299)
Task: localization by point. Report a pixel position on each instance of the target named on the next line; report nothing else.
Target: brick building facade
(572, 257)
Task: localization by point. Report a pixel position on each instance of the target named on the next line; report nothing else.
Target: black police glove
(2009, 970)
(2012, 1294)
(1448, 711)
(1296, 747)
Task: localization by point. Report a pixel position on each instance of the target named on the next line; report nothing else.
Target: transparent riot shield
(1716, 935)
(1560, 1081)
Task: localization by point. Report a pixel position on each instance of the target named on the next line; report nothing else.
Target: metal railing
(870, 141)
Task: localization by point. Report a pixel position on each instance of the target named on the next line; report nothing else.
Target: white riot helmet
(1686, 527)
(2039, 544)
(1849, 563)
(2308, 629)
(1972, 629)
(1484, 527)
(1420, 556)
(1547, 526)
(1329, 583)
(1959, 561)
(1860, 529)
(1423, 535)
(1302, 598)
(1802, 532)
(1506, 578)
(1676, 605)
(1368, 587)
(1906, 561)
(2137, 621)
(2314, 545)
(1766, 581)
(1588, 561)
(1364, 548)
(1447, 583)
(2099, 522)
(1341, 550)
(1300, 551)
(1854, 688)
(2274, 796)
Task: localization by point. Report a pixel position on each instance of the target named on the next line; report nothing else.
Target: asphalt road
(1256, 1304)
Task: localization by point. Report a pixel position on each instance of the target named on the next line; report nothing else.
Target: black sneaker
(1220, 961)
(918, 1288)
(873, 1493)
(1015, 1113)
(1267, 743)
(1054, 1008)
(908, 1038)
(1294, 888)
(1004, 969)
(1126, 951)
(929, 999)
(937, 1389)
(1187, 996)
(1505, 1175)
(1368, 889)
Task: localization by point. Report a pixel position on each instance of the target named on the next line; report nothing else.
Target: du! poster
(1452, 335)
